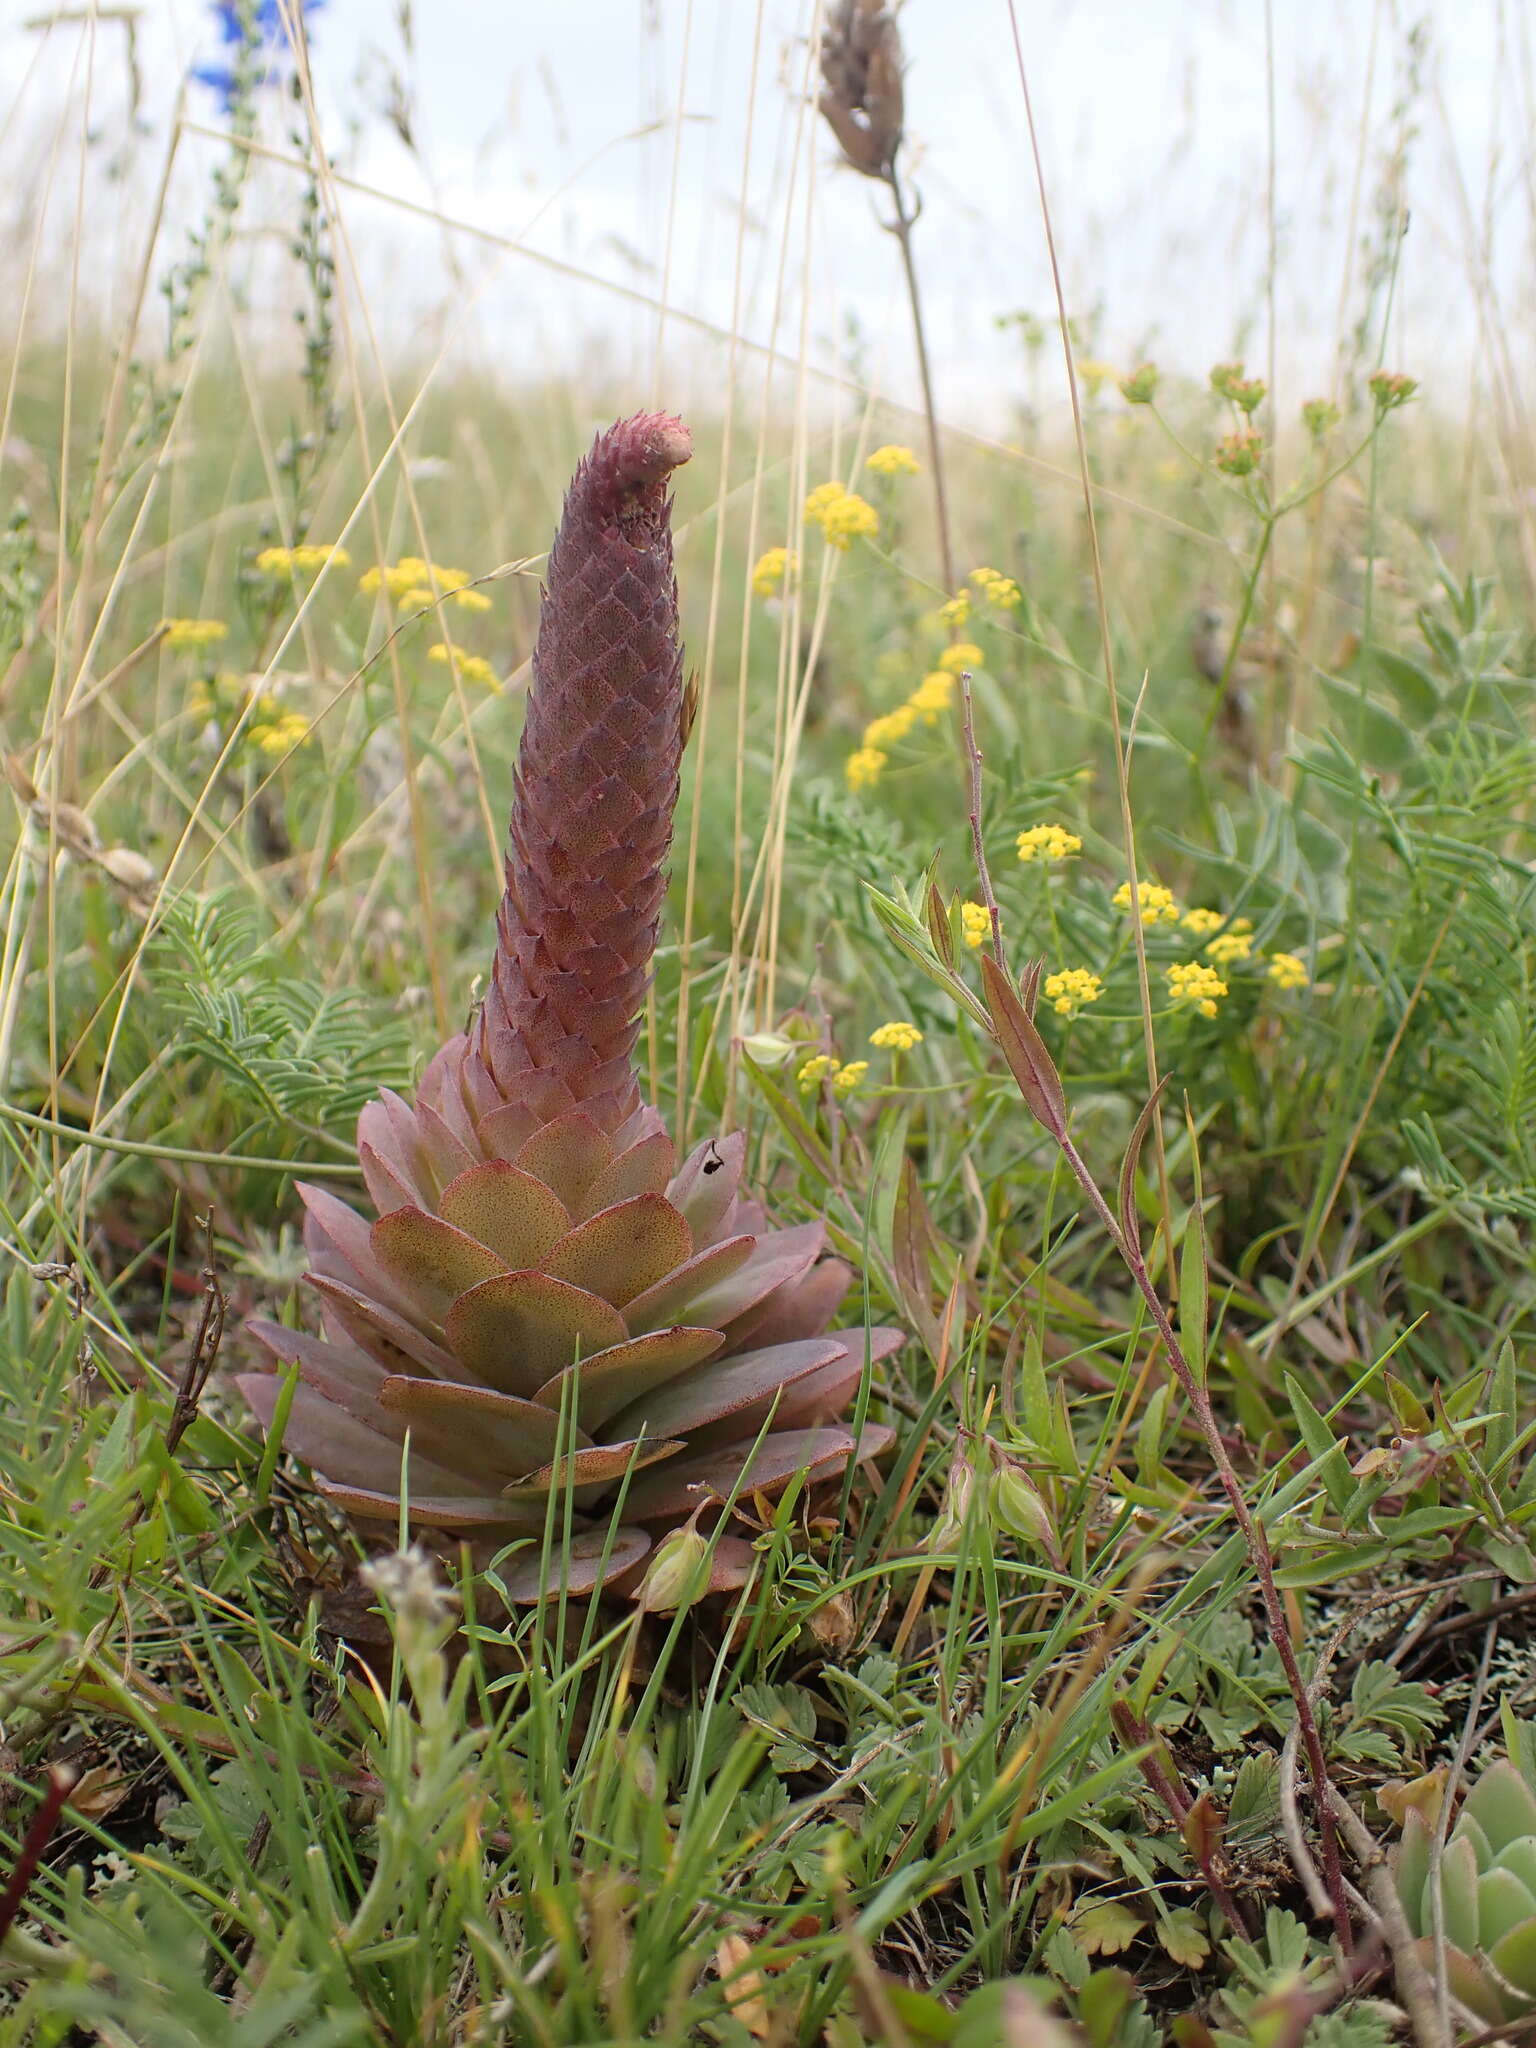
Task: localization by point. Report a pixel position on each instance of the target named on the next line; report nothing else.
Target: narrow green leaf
(1194, 1293)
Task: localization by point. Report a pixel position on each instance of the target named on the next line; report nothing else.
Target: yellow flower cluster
(191, 636)
(996, 589)
(1200, 922)
(409, 584)
(1157, 904)
(1192, 982)
(1048, 843)
(1230, 948)
(473, 668)
(843, 516)
(975, 923)
(863, 767)
(304, 560)
(896, 1037)
(1094, 375)
(892, 460)
(823, 1067)
(276, 731)
(956, 610)
(964, 654)
(769, 571)
(1286, 971)
(1067, 991)
(893, 726)
(928, 702)
(933, 696)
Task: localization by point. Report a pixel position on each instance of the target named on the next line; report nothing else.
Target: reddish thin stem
(1254, 1539)
(61, 1778)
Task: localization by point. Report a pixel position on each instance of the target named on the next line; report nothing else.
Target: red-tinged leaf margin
(1025, 1051)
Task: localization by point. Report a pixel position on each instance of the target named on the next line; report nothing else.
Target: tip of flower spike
(623, 480)
(644, 449)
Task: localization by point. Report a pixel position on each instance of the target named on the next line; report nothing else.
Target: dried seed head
(861, 66)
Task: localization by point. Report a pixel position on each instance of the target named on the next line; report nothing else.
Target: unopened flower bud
(1319, 416)
(948, 1531)
(1238, 454)
(1018, 1508)
(769, 1048)
(677, 1573)
(1390, 389)
(1140, 388)
(832, 1622)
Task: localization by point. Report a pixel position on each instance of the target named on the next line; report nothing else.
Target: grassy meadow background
(1003, 1743)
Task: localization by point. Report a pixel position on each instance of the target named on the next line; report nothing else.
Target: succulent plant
(1486, 1888)
(540, 1261)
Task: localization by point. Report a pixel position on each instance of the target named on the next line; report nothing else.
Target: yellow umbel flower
(964, 654)
(770, 570)
(896, 1036)
(817, 1070)
(304, 560)
(1067, 991)
(409, 583)
(892, 460)
(191, 636)
(893, 726)
(996, 588)
(1193, 982)
(863, 767)
(473, 668)
(955, 611)
(851, 518)
(1230, 948)
(933, 695)
(1094, 375)
(846, 1079)
(975, 923)
(821, 498)
(1286, 971)
(1048, 843)
(1157, 904)
(275, 731)
(1200, 921)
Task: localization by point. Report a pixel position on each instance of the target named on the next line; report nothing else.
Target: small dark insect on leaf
(713, 1162)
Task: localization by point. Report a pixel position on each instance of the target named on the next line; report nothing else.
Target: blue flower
(259, 32)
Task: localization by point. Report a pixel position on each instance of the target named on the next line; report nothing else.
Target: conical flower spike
(596, 788)
(547, 1300)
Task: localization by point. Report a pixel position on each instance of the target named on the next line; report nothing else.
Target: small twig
(1295, 1835)
(205, 1348)
(1163, 1782)
(1255, 1541)
(1414, 1985)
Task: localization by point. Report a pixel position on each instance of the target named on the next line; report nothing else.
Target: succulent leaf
(1502, 1805)
(1458, 1894)
(1503, 1904)
(519, 1330)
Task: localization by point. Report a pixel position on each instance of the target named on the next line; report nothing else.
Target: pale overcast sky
(626, 139)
